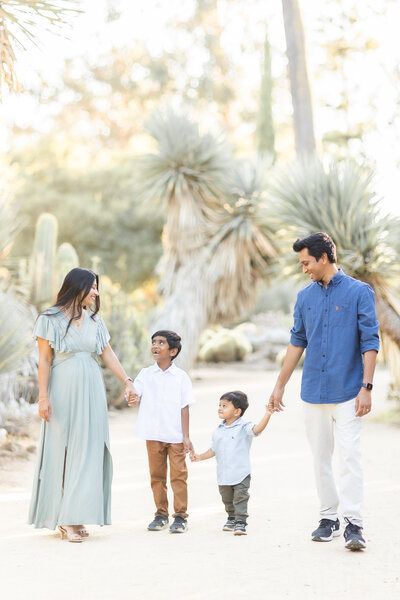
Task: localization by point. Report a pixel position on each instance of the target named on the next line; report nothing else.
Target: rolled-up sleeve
(368, 325)
(298, 332)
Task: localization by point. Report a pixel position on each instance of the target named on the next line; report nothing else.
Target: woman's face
(90, 299)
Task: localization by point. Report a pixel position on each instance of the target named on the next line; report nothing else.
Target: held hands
(194, 457)
(44, 409)
(363, 403)
(275, 403)
(188, 446)
(131, 395)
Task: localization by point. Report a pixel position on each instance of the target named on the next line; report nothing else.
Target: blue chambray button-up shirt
(336, 324)
(231, 444)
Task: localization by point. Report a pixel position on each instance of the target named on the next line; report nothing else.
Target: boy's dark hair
(238, 399)
(317, 244)
(173, 339)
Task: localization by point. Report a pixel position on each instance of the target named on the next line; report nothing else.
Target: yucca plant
(242, 249)
(20, 23)
(340, 200)
(216, 238)
(186, 175)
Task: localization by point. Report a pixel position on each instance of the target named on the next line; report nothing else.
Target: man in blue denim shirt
(335, 320)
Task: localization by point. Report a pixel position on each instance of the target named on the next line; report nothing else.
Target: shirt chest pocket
(310, 316)
(342, 314)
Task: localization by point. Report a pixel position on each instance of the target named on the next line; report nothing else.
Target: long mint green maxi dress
(72, 483)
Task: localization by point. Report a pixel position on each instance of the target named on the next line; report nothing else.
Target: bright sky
(369, 73)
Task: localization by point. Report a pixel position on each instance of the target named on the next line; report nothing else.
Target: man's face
(315, 269)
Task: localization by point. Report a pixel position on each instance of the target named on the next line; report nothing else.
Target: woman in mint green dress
(72, 483)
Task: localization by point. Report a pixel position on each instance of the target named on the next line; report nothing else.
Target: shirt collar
(172, 369)
(336, 279)
(238, 421)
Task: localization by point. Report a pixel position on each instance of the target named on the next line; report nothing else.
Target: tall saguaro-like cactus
(44, 260)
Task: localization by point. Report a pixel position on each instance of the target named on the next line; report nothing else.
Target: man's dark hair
(238, 399)
(317, 244)
(173, 339)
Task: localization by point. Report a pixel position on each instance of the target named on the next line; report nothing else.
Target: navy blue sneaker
(159, 522)
(240, 528)
(179, 525)
(353, 537)
(229, 525)
(326, 531)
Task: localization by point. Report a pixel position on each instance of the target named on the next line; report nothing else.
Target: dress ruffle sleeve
(102, 336)
(48, 328)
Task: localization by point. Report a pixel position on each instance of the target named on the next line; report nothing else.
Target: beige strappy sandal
(71, 536)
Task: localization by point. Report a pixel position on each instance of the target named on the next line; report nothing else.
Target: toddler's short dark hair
(238, 399)
(173, 339)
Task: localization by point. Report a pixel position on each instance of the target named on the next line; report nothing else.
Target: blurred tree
(299, 82)
(347, 42)
(97, 210)
(21, 22)
(265, 125)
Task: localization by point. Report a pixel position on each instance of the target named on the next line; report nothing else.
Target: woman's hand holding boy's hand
(131, 395)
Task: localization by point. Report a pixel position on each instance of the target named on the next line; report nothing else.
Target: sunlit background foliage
(180, 156)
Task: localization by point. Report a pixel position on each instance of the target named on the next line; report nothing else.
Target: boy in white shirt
(163, 421)
(231, 442)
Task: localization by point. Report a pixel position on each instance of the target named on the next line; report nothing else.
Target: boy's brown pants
(158, 453)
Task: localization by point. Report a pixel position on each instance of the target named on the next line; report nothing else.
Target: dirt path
(276, 560)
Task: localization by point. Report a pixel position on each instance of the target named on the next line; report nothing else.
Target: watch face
(368, 386)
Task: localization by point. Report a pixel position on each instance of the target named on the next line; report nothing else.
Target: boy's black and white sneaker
(160, 522)
(229, 525)
(240, 528)
(353, 537)
(179, 525)
(326, 530)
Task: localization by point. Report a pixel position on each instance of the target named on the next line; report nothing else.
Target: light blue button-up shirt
(336, 324)
(231, 444)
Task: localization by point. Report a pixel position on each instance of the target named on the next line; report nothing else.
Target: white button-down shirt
(231, 444)
(163, 395)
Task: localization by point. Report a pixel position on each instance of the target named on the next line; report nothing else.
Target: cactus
(44, 259)
(67, 259)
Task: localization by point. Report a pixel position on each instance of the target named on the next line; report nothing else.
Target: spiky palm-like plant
(21, 22)
(340, 200)
(215, 239)
(187, 176)
(241, 250)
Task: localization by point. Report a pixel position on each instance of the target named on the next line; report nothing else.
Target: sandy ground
(276, 560)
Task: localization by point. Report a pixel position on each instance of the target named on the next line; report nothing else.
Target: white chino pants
(327, 424)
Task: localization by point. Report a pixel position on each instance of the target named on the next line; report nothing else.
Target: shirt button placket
(324, 347)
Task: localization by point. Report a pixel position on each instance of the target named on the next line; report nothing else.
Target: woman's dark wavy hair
(76, 286)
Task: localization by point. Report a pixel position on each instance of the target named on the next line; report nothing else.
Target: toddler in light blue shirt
(231, 442)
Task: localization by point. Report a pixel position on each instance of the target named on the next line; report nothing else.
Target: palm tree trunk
(299, 83)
